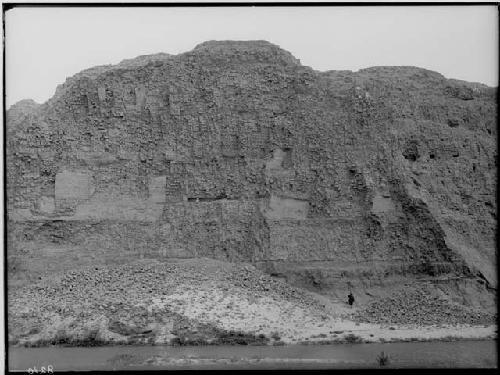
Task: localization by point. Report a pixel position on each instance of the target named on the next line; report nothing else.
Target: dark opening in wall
(453, 123)
(45, 172)
(410, 151)
(456, 155)
(261, 194)
(432, 156)
(206, 199)
(287, 158)
(489, 131)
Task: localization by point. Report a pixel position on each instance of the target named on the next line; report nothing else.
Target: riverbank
(477, 354)
(358, 336)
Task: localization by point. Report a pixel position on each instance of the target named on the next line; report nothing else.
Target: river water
(478, 354)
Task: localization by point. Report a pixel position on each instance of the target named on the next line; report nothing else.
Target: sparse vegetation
(221, 338)
(275, 335)
(319, 336)
(383, 359)
(326, 342)
(176, 341)
(88, 339)
(351, 338)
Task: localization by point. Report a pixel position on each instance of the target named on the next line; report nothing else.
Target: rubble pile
(254, 280)
(122, 295)
(419, 307)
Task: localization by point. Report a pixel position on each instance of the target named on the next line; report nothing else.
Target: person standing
(350, 299)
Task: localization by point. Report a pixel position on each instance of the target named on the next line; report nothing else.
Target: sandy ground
(292, 322)
(425, 333)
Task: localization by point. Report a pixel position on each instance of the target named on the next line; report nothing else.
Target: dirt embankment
(193, 302)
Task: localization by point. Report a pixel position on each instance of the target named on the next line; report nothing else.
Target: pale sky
(44, 46)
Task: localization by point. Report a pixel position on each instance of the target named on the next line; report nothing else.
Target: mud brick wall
(236, 151)
(221, 229)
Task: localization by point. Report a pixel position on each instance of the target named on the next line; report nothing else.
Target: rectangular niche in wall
(73, 185)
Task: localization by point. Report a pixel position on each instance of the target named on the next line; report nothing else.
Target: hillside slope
(332, 181)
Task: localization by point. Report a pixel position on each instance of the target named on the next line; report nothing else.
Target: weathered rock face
(236, 151)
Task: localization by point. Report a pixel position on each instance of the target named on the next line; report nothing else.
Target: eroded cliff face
(236, 151)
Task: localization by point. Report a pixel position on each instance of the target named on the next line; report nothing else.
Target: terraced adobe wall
(236, 151)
